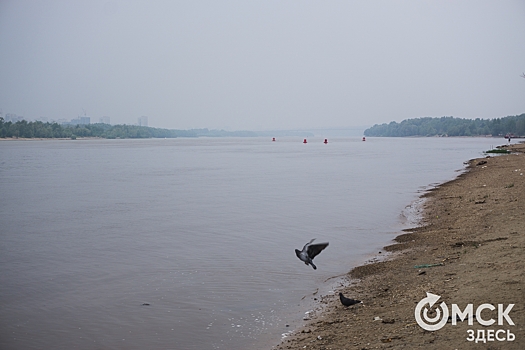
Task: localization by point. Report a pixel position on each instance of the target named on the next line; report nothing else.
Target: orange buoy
(364, 138)
(325, 140)
(305, 141)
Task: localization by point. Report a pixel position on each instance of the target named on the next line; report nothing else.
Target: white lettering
(478, 314)
(456, 313)
(504, 314)
(510, 336)
(490, 335)
(470, 335)
(480, 337)
(498, 332)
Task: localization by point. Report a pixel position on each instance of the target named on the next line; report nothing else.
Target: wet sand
(469, 248)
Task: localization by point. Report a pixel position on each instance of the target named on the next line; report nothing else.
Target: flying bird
(347, 301)
(310, 251)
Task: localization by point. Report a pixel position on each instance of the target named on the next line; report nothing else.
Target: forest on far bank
(513, 126)
(38, 129)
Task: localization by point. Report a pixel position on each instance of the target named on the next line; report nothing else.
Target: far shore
(468, 249)
(49, 139)
(145, 138)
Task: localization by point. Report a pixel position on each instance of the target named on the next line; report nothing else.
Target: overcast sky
(260, 65)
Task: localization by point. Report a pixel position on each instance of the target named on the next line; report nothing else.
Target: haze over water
(202, 230)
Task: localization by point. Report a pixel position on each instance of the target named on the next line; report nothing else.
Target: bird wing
(315, 249)
(307, 244)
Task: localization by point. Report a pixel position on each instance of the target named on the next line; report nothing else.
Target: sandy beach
(468, 249)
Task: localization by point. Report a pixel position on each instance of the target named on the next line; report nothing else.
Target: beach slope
(469, 249)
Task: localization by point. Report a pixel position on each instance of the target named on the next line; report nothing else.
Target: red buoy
(325, 140)
(304, 141)
(364, 138)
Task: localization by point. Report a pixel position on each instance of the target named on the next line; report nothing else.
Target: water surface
(202, 230)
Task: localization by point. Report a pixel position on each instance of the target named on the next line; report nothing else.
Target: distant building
(75, 121)
(10, 117)
(143, 121)
(105, 120)
(79, 121)
(85, 120)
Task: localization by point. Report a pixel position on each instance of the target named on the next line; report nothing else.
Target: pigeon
(310, 251)
(347, 301)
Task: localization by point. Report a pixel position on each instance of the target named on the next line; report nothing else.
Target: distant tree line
(450, 126)
(39, 129)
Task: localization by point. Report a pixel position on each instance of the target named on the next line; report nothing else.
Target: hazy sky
(262, 65)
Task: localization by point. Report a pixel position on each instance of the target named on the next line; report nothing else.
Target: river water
(189, 243)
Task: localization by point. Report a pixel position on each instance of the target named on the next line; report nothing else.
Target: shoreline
(468, 248)
(142, 138)
(50, 138)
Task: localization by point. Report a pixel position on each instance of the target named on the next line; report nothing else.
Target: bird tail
(312, 263)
